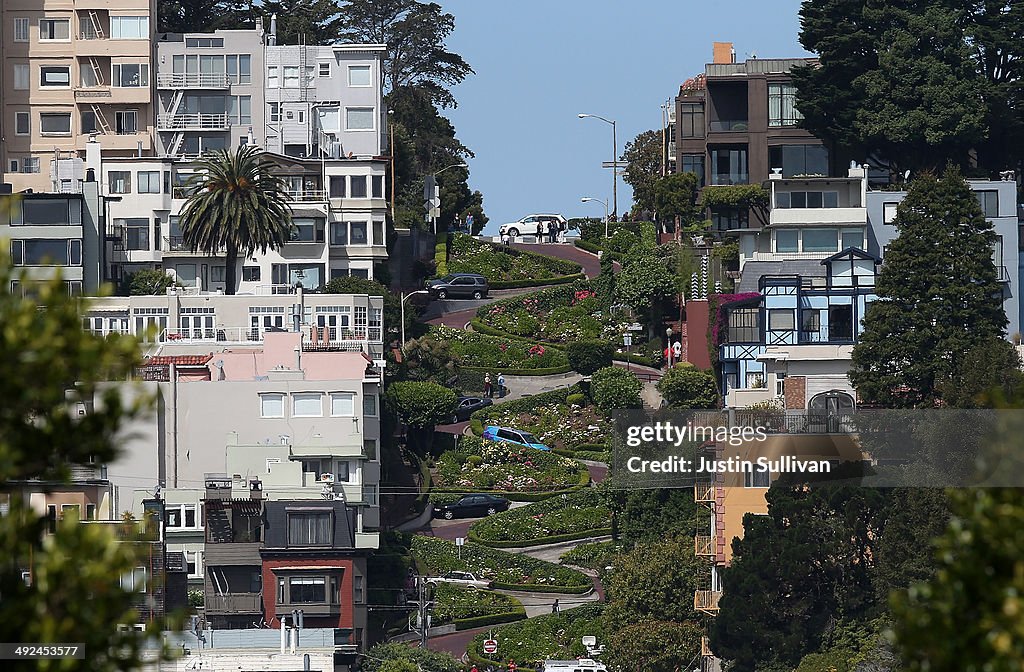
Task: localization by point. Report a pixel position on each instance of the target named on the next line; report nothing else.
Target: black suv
(459, 286)
(471, 506)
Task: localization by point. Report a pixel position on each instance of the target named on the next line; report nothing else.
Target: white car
(461, 579)
(529, 225)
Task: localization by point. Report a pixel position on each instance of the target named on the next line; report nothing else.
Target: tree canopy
(197, 16)
(643, 156)
(675, 200)
(302, 21)
(938, 296)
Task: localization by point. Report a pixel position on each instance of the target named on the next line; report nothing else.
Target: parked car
(529, 225)
(471, 506)
(459, 286)
(516, 436)
(465, 406)
(580, 665)
(461, 579)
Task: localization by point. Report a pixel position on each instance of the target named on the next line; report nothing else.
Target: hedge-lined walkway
(568, 251)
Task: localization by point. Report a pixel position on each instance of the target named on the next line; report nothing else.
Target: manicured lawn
(548, 637)
(493, 352)
(483, 465)
(576, 513)
(505, 569)
(500, 264)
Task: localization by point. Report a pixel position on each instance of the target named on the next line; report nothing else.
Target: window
(358, 186)
(727, 219)
(370, 448)
(271, 405)
(55, 29)
(309, 529)
(889, 212)
(377, 186)
(131, 75)
(129, 27)
(30, 164)
(51, 76)
(357, 589)
(217, 273)
(250, 273)
(239, 68)
(782, 105)
(852, 238)
(337, 186)
(21, 123)
(359, 75)
(743, 326)
(119, 182)
(204, 42)
(339, 233)
(807, 199)
(240, 110)
(88, 120)
(370, 404)
(272, 77)
(21, 29)
(55, 123)
(275, 112)
(787, 240)
(308, 230)
(810, 321)
(370, 494)
(378, 233)
(781, 320)
(690, 123)
(821, 240)
(799, 159)
(291, 76)
(693, 163)
(183, 516)
(357, 233)
(126, 123)
(310, 75)
(134, 581)
(324, 69)
(989, 201)
(359, 119)
(307, 590)
(20, 77)
(342, 471)
(729, 165)
(343, 404)
(840, 323)
(757, 478)
(307, 405)
(149, 181)
(136, 233)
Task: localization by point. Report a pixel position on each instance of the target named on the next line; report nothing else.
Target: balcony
(797, 422)
(729, 126)
(211, 335)
(704, 546)
(92, 94)
(192, 122)
(234, 603)
(340, 338)
(729, 179)
(176, 244)
(817, 216)
(307, 196)
(707, 600)
(192, 80)
(705, 492)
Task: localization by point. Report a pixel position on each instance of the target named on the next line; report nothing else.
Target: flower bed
(549, 637)
(467, 605)
(557, 424)
(481, 351)
(578, 515)
(483, 465)
(594, 556)
(502, 265)
(510, 571)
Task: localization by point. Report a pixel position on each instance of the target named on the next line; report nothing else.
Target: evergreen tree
(938, 296)
(643, 157)
(199, 16)
(302, 21)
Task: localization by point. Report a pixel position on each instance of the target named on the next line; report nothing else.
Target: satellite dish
(219, 363)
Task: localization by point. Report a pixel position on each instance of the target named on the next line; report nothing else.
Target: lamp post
(391, 149)
(627, 340)
(406, 297)
(588, 199)
(615, 161)
(434, 176)
(668, 339)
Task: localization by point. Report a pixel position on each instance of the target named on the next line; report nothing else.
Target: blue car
(516, 436)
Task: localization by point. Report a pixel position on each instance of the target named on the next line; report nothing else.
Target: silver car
(461, 579)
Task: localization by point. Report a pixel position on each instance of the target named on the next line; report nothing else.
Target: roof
(851, 252)
(753, 271)
(179, 360)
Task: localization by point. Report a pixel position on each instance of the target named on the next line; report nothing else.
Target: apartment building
(73, 69)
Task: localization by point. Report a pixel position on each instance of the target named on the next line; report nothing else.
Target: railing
(725, 179)
(93, 92)
(706, 600)
(799, 422)
(344, 338)
(210, 335)
(174, 122)
(176, 244)
(726, 126)
(269, 290)
(1003, 274)
(247, 603)
(704, 546)
(192, 80)
(307, 195)
(704, 492)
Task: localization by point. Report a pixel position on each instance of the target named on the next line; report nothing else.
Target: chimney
(272, 38)
(722, 52)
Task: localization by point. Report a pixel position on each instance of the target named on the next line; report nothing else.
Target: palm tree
(236, 204)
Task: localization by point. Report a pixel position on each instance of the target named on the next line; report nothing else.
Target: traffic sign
(627, 339)
(490, 646)
(636, 326)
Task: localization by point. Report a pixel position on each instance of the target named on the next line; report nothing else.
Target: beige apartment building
(73, 69)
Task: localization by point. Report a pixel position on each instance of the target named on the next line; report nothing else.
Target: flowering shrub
(580, 511)
(505, 467)
(582, 295)
(592, 556)
(469, 255)
(482, 351)
(556, 424)
(441, 556)
(455, 602)
(548, 637)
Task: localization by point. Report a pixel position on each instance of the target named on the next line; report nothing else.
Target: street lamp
(588, 199)
(391, 150)
(671, 351)
(434, 179)
(615, 161)
(406, 297)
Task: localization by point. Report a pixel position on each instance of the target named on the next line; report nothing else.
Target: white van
(581, 665)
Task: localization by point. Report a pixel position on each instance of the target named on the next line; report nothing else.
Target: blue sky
(539, 63)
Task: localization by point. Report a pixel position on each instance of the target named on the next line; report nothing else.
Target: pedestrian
(541, 231)
(488, 389)
(501, 386)
(469, 224)
(553, 231)
(512, 665)
(554, 607)
(473, 669)
(506, 239)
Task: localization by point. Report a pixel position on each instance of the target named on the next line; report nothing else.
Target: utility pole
(424, 610)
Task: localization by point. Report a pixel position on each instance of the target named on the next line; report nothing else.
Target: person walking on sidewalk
(488, 388)
(501, 386)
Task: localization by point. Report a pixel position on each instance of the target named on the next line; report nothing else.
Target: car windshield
(529, 438)
(447, 279)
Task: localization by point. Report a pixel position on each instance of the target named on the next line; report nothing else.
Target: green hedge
(490, 619)
(541, 541)
(517, 284)
(634, 359)
(478, 325)
(528, 588)
(550, 371)
(594, 455)
(531, 496)
(441, 259)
